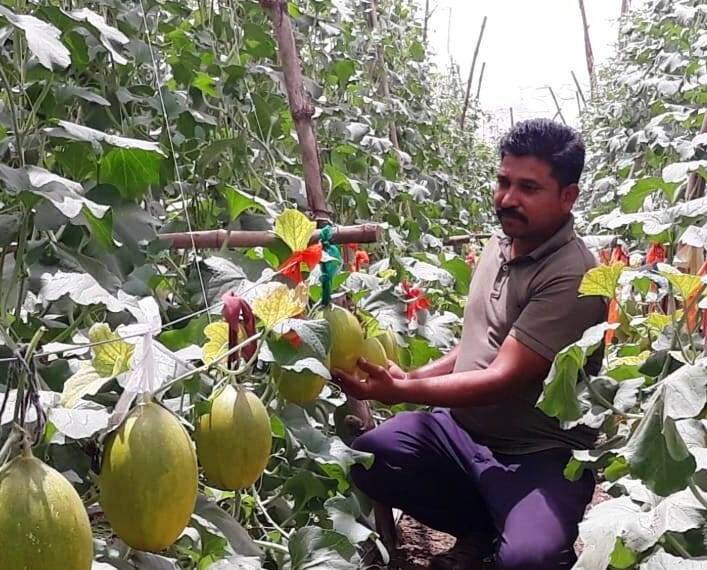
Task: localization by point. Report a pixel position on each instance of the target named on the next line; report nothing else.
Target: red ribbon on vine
(292, 266)
(416, 300)
(235, 308)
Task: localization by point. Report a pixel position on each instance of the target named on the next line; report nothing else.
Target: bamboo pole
(579, 103)
(427, 19)
(588, 50)
(513, 123)
(579, 88)
(625, 7)
(302, 111)
(471, 72)
(383, 83)
(481, 79)
(462, 239)
(557, 105)
(214, 239)
(301, 107)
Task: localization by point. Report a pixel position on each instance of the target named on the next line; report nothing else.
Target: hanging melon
(149, 478)
(43, 523)
(234, 439)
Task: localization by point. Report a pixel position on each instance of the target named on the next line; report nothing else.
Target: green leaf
(72, 131)
(344, 512)
(205, 83)
(417, 51)
(461, 272)
(633, 201)
(559, 397)
(622, 557)
(313, 548)
(14, 180)
(258, 42)
(304, 486)
(601, 280)
(657, 453)
(77, 160)
(9, 228)
(131, 171)
(343, 69)
(42, 39)
(238, 202)
(101, 228)
(191, 334)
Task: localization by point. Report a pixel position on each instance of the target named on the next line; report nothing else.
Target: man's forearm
(462, 389)
(439, 367)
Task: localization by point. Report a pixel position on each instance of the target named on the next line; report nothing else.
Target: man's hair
(557, 144)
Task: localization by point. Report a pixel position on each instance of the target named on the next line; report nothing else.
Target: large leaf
(80, 133)
(344, 512)
(663, 561)
(107, 34)
(84, 420)
(236, 535)
(84, 382)
(131, 170)
(277, 302)
(114, 356)
(559, 397)
(83, 289)
(42, 39)
(295, 229)
(601, 280)
(313, 548)
(656, 452)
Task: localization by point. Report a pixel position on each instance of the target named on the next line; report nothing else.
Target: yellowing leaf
(217, 345)
(111, 358)
(631, 360)
(601, 280)
(657, 321)
(295, 229)
(280, 303)
(684, 283)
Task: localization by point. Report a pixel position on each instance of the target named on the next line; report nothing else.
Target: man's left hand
(380, 385)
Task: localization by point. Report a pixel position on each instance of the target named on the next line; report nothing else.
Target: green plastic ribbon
(330, 267)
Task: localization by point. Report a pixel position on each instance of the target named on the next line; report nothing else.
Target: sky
(528, 45)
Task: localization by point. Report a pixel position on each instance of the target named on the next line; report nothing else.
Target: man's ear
(569, 195)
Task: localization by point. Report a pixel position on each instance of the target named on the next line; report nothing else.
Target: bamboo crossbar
(214, 239)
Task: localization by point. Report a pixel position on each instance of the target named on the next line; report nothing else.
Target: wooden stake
(301, 107)
(579, 88)
(383, 83)
(426, 21)
(625, 7)
(588, 50)
(471, 72)
(214, 239)
(481, 79)
(557, 106)
(513, 123)
(579, 103)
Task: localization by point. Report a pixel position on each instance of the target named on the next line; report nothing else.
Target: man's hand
(381, 384)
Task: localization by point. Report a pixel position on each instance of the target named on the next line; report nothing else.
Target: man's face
(529, 201)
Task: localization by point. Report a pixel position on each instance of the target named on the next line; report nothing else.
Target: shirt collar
(560, 238)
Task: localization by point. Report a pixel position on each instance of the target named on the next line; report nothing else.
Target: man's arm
(515, 366)
(440, 367)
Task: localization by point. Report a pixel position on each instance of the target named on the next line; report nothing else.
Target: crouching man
(485, 462)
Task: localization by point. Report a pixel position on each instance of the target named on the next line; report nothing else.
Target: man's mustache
(510, 213)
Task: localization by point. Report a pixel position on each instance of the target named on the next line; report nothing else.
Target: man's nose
(509, 198)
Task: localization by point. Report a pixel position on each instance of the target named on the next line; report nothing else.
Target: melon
(234, 439)
(149, 478)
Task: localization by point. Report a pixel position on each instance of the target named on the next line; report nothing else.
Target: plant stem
(13, 115)
(265, 512)
(697, 492)
(272, 546)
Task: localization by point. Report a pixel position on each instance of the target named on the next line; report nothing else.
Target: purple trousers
(428, 466)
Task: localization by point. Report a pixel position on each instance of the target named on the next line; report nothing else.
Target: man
(485, 461)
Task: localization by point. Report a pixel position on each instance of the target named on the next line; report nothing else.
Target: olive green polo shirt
(534, 298)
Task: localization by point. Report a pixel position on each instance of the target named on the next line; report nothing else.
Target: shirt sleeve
(556, 316)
